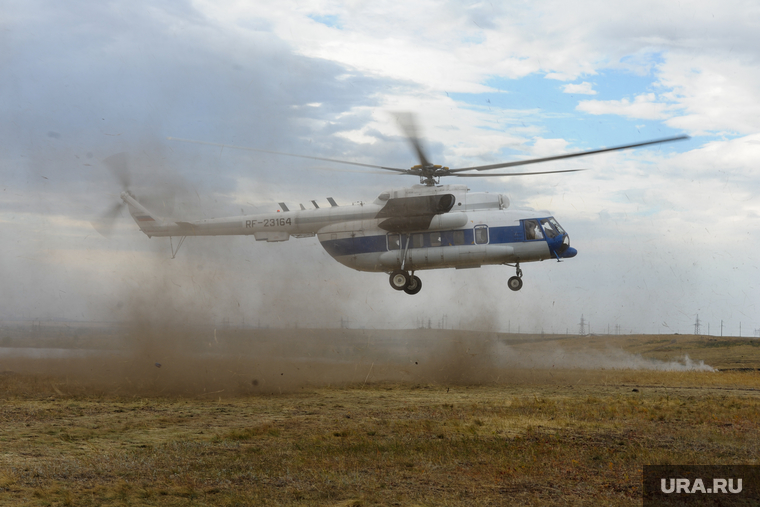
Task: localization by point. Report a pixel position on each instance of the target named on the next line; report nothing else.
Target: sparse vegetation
(571, 438)
(484, 436)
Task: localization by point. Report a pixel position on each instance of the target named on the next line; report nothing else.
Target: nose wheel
(515, 283)
(401, 280)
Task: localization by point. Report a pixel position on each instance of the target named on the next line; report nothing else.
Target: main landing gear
(401, 280)
(515, 283)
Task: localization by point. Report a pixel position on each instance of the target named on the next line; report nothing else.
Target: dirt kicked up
(363, 420)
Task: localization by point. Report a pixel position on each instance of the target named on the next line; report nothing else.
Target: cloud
(645, 106)
(584, 88)
(716, 93)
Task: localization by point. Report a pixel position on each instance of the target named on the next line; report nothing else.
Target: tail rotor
(120, 167)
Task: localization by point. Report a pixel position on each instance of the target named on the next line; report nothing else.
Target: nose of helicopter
(570, 252)
(560, 247)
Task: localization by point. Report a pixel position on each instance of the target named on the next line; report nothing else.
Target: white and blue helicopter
(403, 230)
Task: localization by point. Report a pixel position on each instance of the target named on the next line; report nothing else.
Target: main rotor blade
(287, 154)
(489, 175)
(119, 166)
(409, 126)
(569, 155)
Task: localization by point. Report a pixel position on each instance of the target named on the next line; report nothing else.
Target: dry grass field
(360, 426)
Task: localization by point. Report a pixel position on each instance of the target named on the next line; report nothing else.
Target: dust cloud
(175, 358)
(189, 327)
(591, 359)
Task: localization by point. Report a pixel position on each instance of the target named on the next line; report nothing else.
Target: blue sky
(554, 111)
(663, 233)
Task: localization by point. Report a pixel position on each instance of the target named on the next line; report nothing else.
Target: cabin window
(532, 230)
(435, 239)
(481, 234)
(459, 237)
(394, 242)
(418, 241)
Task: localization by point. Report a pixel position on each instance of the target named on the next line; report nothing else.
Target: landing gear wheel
(415, 285)
(399, 280)
(514, 283)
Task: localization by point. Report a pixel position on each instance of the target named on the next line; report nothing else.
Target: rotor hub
(430, 174)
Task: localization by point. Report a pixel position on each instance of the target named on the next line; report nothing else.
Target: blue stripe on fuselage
(509, 234)
(370, 244)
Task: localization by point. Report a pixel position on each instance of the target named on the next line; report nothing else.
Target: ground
(526, 436)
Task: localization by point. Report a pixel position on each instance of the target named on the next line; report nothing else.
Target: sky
(664, 234)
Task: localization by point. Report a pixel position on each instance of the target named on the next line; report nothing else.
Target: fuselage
(415, 228)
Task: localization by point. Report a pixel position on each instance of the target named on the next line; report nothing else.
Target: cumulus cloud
(716, 94)
(584, 88)
(645, 106)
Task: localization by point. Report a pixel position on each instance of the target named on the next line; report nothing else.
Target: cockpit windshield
(551, 227)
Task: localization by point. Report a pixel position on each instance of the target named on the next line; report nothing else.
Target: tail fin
(148, 222)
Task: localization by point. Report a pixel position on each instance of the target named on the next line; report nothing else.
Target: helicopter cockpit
(549, 230)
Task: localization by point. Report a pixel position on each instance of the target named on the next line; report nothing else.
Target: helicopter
(403, 230)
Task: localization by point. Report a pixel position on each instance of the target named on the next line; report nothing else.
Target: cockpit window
(550, 227)
(532, 230)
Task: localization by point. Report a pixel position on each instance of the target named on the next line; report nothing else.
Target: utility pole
(582, 326)
(696, 326)
(721, 328)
